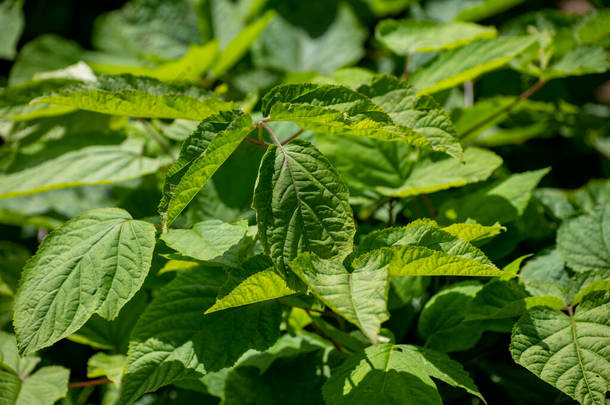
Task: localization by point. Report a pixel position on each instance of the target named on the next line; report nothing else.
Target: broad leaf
(359, 296)
(423, 249)
(468, 62)
(570, 352)
(173, 340)
(256, 282)
(106, 365)
(94, 263)
(143, 97)
(405, 37)
(396, 374)
(302, 205)
(11, 25)
(201, 156)
(501, 202)
(89, 165)
(584, 241)
(595, 28)
(473, 232)
(446, 10)
(207, 240)
(582, 60)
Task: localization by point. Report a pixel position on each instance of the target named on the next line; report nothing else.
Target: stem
(390, 212)
(275, 140)
(81, 384)
(154, 135)
(428, 205)
(299, 132)
(468, 93)
(405, 70)
(324, 335)
(256, 143)
(526, 94)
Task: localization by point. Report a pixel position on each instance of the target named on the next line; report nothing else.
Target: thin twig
(299, 132)
(89, 383)
(275, 140)
(428, 205)
(526, 94)
(154, 135)
(468, 93)
(324, 335)
(257, 143)
(405, 71)
(390, 212)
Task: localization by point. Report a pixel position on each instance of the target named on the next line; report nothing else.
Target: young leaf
(405, 37)
(468, 62)
(142, 97)
(256, 282)
(501, 202)
(582, 60)
(94, 263)
(359, 296)
(89, 165)
(570, 351)
(173, 340)
(473, 232)
(584, 241)
(201, 155)
(302, 205)
(206, 240)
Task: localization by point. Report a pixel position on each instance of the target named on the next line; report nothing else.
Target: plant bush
(284, 202)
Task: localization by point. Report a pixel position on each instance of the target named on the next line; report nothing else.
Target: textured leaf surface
(256, 282)
(302, 205)
(206, 240)
(584, 241)
(582, 60)
(468, 62)
(89, 165)
(473, 232)
(200, 157)
(93, 263)
(405, 37)
(501, 202)
(570, 352)
(359, 296)
(174, 340)
(142, 97)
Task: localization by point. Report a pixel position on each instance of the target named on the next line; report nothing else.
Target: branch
(154, 135)
(428, 205)
(299, 132)
(275, 140)
(89, 383)
(405, 71)
(256, 143)
(324, 335)
(526, 94)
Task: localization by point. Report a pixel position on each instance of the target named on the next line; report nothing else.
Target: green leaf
(302, 205)
(303, 38)
(446, 10)
(207, 240)
(468, 62)
(443, 321)
(584, 241)
(256, 282)
(106, 365)
(89, 165)
(142, 97)
(423, 249)
(395, 374)
(149, 29)
(173, 340)
(473, 232)
(582, 60)
(201, 156)
(359, 296)
(405, 37)
(570, 351)
(94, 263)
(239, 45)
(11, 26)
(595, 28)
(501, 202)
(11, 361)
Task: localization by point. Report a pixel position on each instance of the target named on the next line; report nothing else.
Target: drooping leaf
(501, 202)
(468, 62)
(584, 241)
(256, 282)
(405, 37)
(94, 263)
(142, 97)
(14, 100)
(359, 296)
(173, 340)
(207, 240)
(201, 155)
(302, 38)
(106, 365)
(570, 352)
(423, 249)
(302, 205)
(11, 25)
(89, 165)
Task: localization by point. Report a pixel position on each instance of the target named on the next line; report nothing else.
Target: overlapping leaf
(94, 263)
